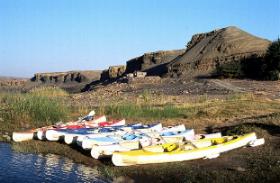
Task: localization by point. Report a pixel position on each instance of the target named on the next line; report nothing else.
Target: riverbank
(232, 114)
(260, 164)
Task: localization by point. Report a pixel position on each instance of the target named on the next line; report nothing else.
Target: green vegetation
(132, 111)
(236, 105)
(32, 110)
(29, 110)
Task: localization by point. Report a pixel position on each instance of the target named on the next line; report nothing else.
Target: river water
(36, 168)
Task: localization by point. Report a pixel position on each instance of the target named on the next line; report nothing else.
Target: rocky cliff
(12, 82)
(152, 62)
(208, 50)
(113, 72)
(66, 77)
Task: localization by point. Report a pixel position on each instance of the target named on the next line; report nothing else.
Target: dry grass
(49, 91)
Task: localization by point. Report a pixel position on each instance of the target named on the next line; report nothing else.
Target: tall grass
(203, 109)
(144, 111)
(32, 109)
(49, 91)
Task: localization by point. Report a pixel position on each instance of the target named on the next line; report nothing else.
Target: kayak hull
(23, 136)
(146, 157)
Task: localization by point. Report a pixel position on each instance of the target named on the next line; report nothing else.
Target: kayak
(88, 141)
(144, 138)
(23, 136)
(112, 123)
(71, 137)
(176, 152)
(98, 151)
(41, 132)
(102, 138)
(56, 134)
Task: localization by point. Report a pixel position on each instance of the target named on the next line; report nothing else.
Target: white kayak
(41, 132)
(77, 136)
(56, 134)
(23, 136)
(144, 138)
(87, 142)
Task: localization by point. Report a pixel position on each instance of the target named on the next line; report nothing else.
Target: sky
(62, 35)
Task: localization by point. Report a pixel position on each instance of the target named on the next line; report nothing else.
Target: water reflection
(19, 167)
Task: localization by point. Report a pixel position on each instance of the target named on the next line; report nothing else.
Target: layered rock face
(66, 77)
(113, 72)
(151, 62)
(206, 51)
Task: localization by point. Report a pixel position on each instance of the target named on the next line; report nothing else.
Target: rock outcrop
(206, 51)
(113, 72)
(66, 77)
(152, 62)
(12, 82)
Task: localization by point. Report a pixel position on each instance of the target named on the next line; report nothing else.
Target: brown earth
(177, 91)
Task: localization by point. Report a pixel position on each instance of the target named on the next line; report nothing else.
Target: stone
(139, 74)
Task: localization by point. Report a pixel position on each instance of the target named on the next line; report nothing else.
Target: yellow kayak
(205, 148)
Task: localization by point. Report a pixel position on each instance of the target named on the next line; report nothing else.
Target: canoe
(98, 151)
(41, 132)
(23, 136)
(175, 152)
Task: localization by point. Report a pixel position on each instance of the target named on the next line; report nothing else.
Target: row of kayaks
(137, 143)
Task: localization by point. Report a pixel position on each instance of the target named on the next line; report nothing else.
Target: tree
(272, 57)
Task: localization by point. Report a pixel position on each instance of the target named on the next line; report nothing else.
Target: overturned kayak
(175, 152)
(23, 136)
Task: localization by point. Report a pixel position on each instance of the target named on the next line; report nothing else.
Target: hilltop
(206, 51)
